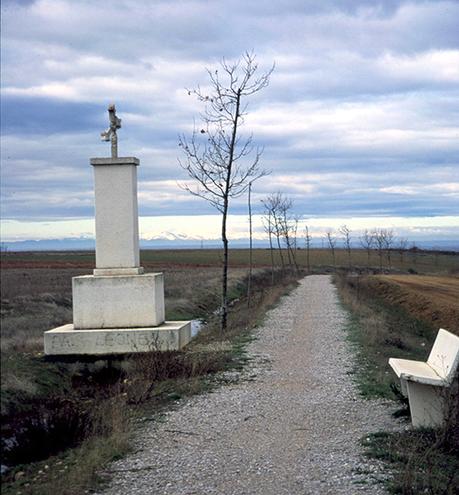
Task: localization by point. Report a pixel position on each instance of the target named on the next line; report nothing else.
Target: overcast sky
(360, 120)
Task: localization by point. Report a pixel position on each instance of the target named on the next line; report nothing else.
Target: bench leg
(403, 387)
(427, 405)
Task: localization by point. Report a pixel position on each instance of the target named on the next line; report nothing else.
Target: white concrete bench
(427, 384)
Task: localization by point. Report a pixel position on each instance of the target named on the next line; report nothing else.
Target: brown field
(419, 262)
(434, 299)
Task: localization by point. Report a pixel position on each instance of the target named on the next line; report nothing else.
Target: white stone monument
(117, 309)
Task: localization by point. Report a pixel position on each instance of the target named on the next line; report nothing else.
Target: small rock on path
(294, 428)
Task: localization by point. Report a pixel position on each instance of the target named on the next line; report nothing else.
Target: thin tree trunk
(280, 250)
(270, 233)
(287, 242)
(293, 253)
(225, 271)
(249, 281)
(224, 320)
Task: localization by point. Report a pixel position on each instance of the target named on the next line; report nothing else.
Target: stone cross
(110, 133)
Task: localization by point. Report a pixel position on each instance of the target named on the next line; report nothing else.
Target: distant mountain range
(177, 241)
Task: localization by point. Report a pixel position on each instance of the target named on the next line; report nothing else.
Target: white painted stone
(118, 301)
(66, 340)
(117, 230)
(427, 384)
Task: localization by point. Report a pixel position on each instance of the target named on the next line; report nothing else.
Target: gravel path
(291, 428)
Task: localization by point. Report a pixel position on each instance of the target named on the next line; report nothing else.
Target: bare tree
(307, 238)
(272, 205)
(268, 225)
(367, 241)
(388, 244)
(378, 236)
(384, 240)
(296, 220)
(402, 247)
(216, 157)
(331, 239)
(346, 233)
(414, 250)
(289, 227)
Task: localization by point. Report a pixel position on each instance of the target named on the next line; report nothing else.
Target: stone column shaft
(117, 224)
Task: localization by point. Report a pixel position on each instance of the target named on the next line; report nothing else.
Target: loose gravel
(290, 425)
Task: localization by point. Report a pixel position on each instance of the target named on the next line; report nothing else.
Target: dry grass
(37, 299)
(380, 331)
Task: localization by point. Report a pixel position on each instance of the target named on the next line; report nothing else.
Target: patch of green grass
(26, 377)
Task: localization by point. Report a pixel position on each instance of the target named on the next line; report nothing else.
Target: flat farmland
(36, 286)
(434, 299)
(152, 259)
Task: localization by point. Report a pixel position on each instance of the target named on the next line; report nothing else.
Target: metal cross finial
(110, 133)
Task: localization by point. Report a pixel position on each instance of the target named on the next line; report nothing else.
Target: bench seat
(417, 371)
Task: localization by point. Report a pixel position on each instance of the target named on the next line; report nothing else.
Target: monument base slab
(66, 340)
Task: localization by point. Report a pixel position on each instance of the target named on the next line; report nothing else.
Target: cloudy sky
(360, 122)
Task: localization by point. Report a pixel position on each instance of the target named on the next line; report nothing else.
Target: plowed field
(431, 298)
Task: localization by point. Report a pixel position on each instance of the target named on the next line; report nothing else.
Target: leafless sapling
(331, 240)
(307, 239)
(389, 238)
(272, 206)
(346, 233)
(378, 236)
(402, 247)
(288, 228)
(221, 162)
(367, 241)
(268, 226)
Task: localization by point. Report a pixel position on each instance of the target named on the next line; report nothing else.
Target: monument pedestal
(124, 301)
(119, 309)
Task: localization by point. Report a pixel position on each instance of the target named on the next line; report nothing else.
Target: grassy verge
(422, 461)
(379, 331)
(77, 417)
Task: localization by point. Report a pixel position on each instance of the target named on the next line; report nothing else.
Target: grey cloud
(385, 61)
